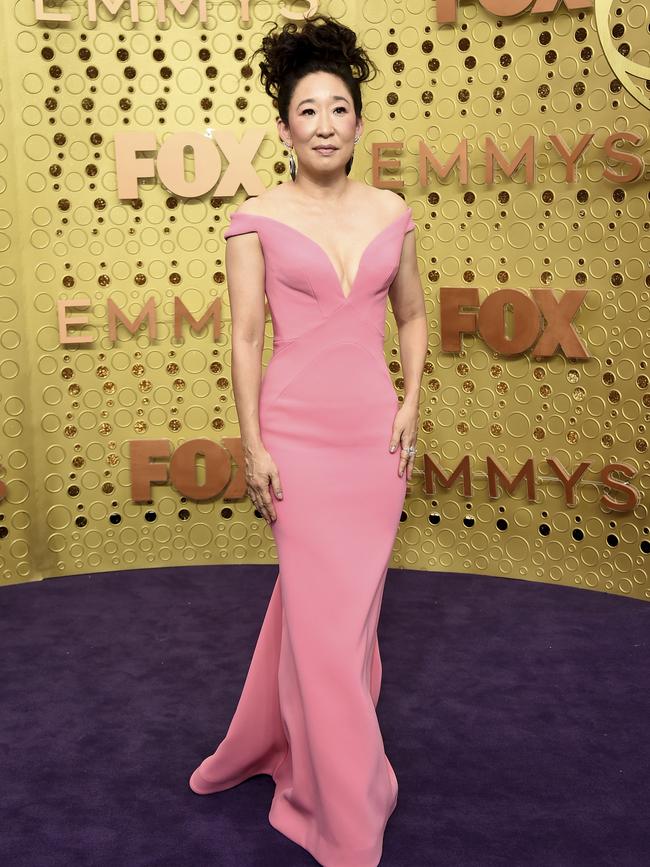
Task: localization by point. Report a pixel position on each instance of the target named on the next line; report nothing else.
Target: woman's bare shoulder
(265, 204)
(393, 202)
(381, 200)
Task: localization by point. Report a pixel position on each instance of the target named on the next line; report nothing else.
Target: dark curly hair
(294, 52)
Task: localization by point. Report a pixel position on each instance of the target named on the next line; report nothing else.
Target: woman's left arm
(407, 300)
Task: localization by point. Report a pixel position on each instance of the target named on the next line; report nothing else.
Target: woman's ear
(283, 132)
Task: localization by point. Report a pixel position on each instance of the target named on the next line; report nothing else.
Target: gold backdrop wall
(71, 412)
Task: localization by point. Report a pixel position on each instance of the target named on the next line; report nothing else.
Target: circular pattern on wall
(71, 412)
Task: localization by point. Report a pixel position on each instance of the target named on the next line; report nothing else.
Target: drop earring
(348, 165)
(292, 161)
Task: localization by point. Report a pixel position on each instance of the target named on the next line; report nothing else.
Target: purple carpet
(514, 713)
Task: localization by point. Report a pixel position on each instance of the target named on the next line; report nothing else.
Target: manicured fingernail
(392, 448)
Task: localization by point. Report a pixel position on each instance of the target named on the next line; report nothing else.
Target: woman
(328, 452)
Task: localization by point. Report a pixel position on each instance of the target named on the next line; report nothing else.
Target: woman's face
(321, 114)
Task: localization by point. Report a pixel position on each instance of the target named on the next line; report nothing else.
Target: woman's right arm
(245, 272)
(245, 275)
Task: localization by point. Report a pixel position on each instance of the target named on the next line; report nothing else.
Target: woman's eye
(338, 108)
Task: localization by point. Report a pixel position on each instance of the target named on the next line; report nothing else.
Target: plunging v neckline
(326, 256)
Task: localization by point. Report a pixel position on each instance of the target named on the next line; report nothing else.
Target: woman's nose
(325, 124)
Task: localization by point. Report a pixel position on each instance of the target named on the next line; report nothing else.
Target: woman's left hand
(405, 427)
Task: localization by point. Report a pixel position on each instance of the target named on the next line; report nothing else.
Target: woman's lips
(325, 150)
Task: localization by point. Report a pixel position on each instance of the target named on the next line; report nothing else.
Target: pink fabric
(307, 711)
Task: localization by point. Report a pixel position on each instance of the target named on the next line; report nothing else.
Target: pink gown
(307, 711)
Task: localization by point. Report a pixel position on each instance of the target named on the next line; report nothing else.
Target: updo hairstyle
(292, 53)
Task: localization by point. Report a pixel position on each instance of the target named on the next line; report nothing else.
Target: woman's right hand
(260, 470)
